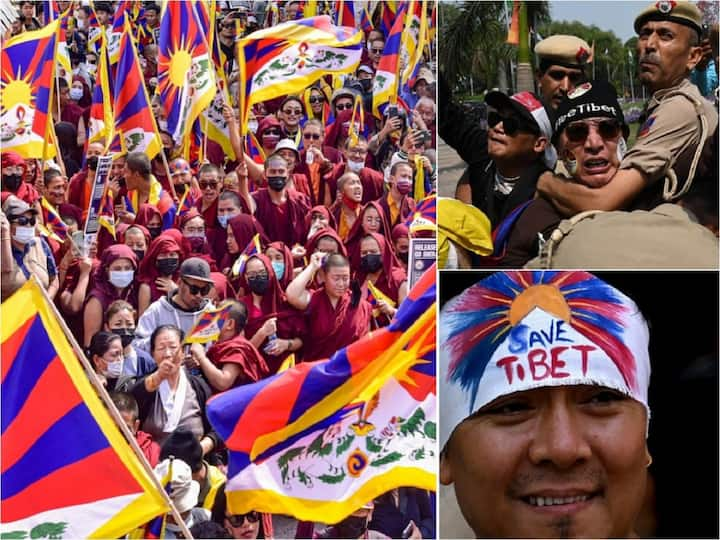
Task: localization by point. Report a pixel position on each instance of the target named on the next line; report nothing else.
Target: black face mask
(277, 183)
(166, 266)
(371, 262)
(180, 188)
(259, 284)
(403, 256)
(154, 231)
(139, 253)
(351, 527)
(11, 182)
(126, 335)
(92, 162)
(366, 84)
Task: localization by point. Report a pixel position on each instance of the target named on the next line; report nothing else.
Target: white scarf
(173, 402)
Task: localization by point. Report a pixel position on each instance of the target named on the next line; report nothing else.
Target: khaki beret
(569, 51)
(677, 11)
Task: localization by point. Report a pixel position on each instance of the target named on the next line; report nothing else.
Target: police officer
(676, 123)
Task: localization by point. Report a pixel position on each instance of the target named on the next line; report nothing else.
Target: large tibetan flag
(289, 57)
(134, 120)
(27, 82)
(385, 84)
(186, 74)
(414, 39)
(319, 440)
(67, 472)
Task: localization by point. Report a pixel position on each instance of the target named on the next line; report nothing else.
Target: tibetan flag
(365, 22)
(67, 471)
(186, 74)
(53, 220)
(374, 295)
(51, 11)
(414, 39)
(101, 114)
(155, 528)
(212, 121)
(208, 325)
(357, 121)
(48, 233)
(106, 213)
(253, 148)
(114, 36)
(95, 32)
(385, 84)
(424, 218)
(322, 438)
(345, 13)
(422, 185)
(253, 248)
(389, 12)
(26, 91)
(134, 120)
(186, 203)
(289, 57)
(272, 14)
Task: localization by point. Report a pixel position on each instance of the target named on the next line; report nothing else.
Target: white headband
(516, 331)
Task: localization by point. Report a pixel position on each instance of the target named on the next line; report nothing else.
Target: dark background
(682, 312)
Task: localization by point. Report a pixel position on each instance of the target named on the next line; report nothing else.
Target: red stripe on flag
(11, 345)
(72, 485)
(247, 430)
(54, 386)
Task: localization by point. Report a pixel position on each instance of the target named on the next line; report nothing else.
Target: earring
(649, 461)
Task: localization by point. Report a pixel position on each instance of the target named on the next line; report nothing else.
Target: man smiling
(544, 406)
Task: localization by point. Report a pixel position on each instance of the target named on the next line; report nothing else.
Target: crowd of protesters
(328, 202)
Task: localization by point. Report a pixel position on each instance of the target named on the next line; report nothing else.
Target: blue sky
(617, 16)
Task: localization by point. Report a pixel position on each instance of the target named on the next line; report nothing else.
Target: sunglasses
(271, 132)
(316, 99)
(313, 136)
(237, 520)
(22, 220)
(194, 289)
(559, 75)
(205, 185)
(578, 131)
(293, 112)
(376, 51)
(344, 106)
(511, 125)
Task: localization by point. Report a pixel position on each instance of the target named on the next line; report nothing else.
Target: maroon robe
(352, 242)
(330, 329)
(240, 351)
(407, 208)
(290, 322)
(285, 223)
(148, 273)
(373, 182)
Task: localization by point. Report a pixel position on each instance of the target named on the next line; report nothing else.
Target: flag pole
(167, 171)
(112, 409)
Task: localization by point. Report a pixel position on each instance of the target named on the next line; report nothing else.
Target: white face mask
(162, 124)
(76, 93)
(253, 125)
(24, 234)
(355, 166)
(121, 278)
(114, 369)
(91, 68)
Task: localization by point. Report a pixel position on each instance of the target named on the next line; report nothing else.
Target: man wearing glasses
(676, 123)
(590, 133)
(180, 307)
(519, 150)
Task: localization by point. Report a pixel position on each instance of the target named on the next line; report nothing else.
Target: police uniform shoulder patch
(645, 128)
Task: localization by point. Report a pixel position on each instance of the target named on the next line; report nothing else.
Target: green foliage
(430, 430)
(371, 443)
(314, 448)
(412, 424)
(389, 458)
(13, 535)
(418, 454)
(344, 444)
(48, 530)
(332, 479)
(284, 461)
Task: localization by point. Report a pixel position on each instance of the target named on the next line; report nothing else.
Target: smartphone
(78, 243)
(393, 111)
